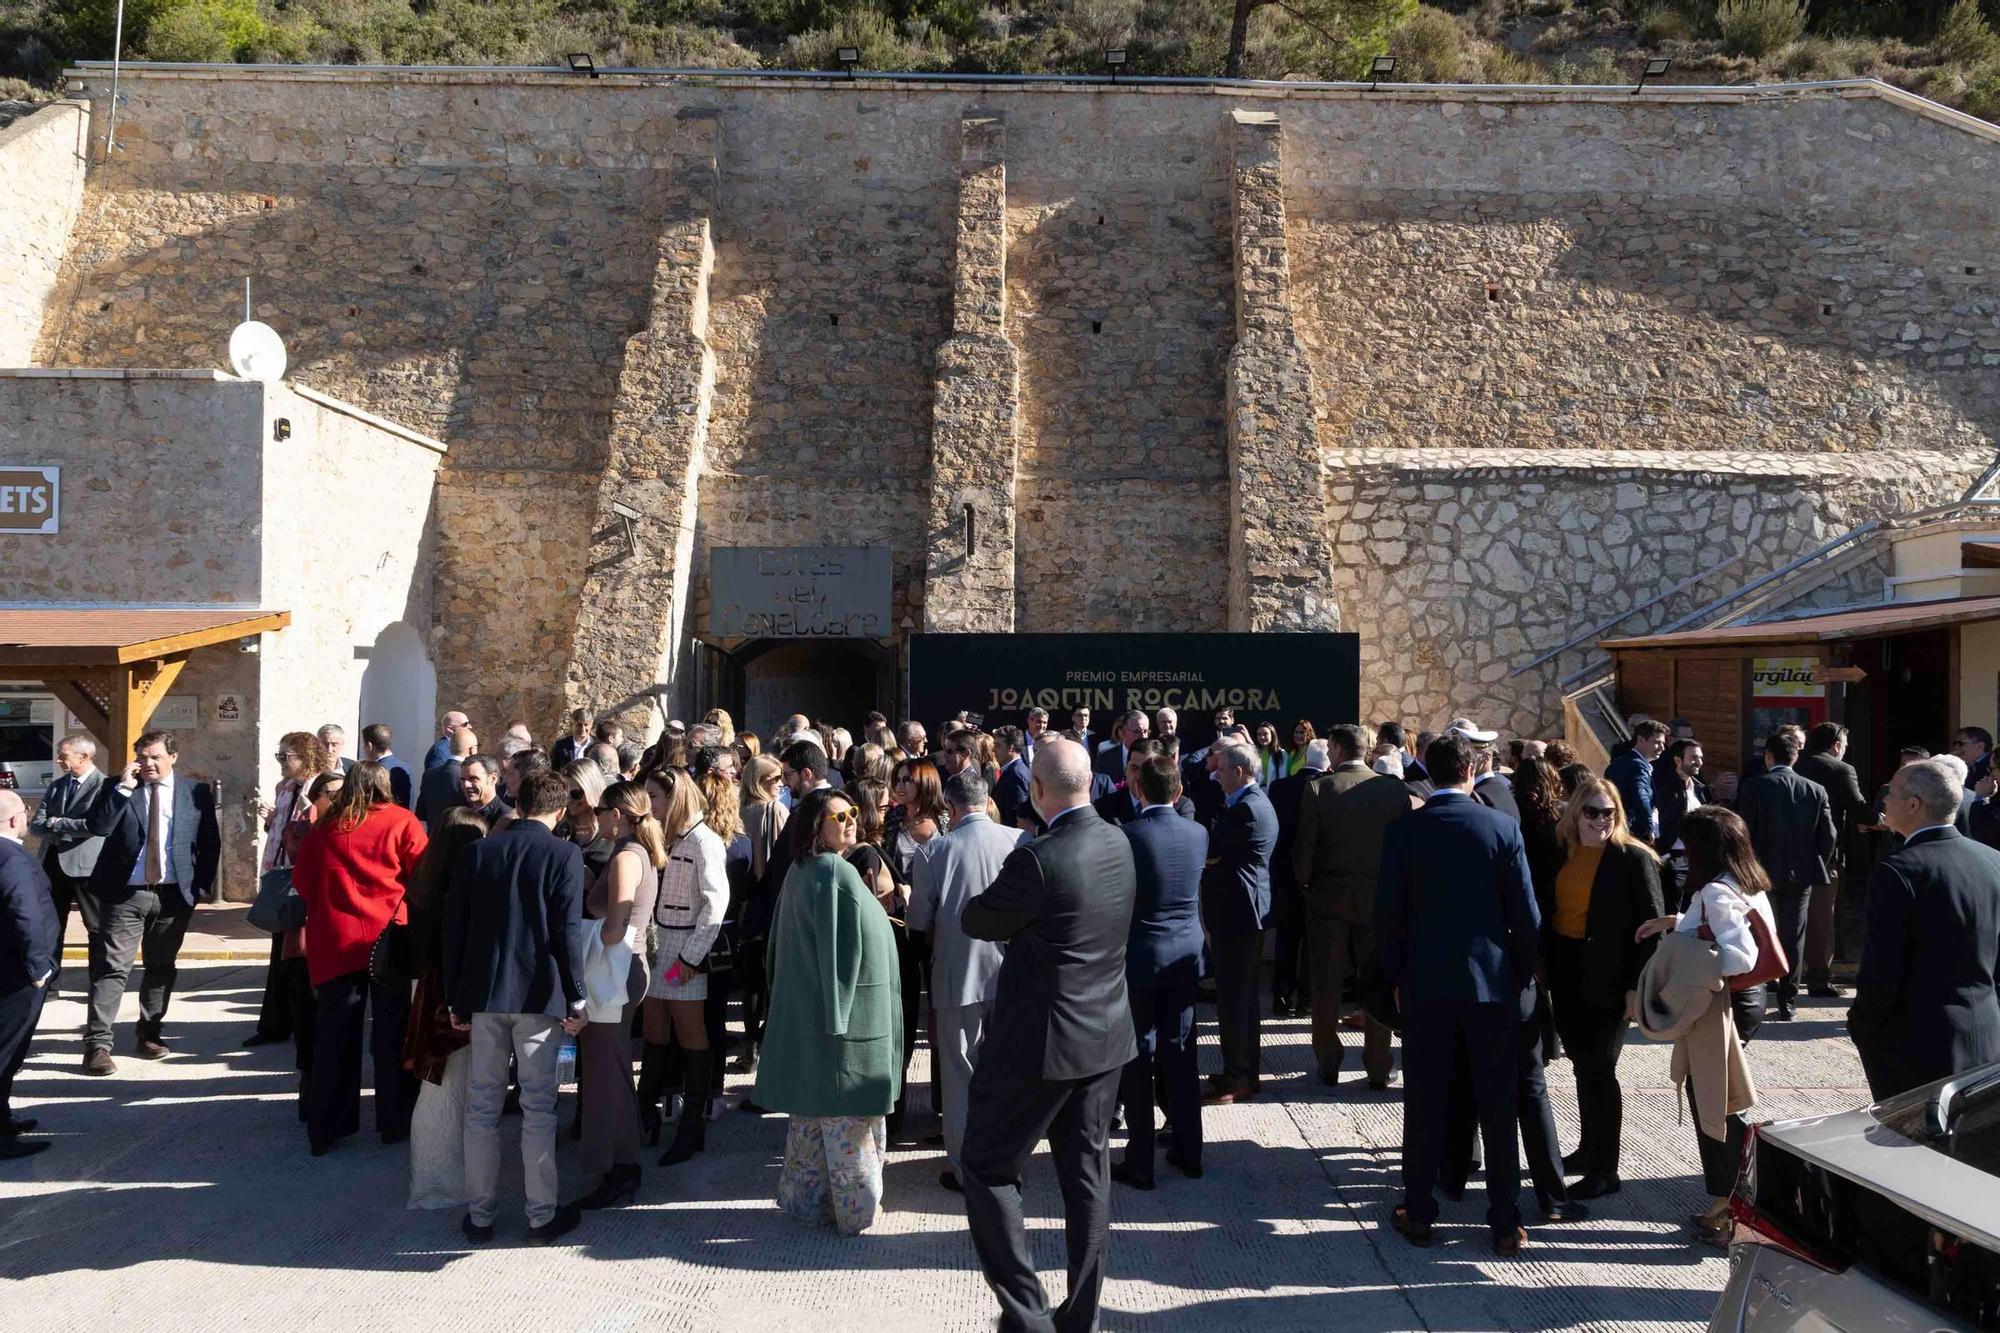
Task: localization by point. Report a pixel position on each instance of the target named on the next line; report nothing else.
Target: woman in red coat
(351, 870)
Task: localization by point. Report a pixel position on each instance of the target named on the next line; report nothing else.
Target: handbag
(1771, 961)
(389, 956)
(278, 908)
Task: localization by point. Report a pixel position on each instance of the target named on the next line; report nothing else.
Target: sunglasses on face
(1598, 812)
(607, 809)
(840, 816)
(283, 755)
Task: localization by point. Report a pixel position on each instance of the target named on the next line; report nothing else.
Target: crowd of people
(1050, 908)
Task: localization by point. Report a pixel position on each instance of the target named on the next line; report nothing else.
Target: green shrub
(211, 31)
(1964, 38)
(1664, 23)
(1429, 48)
(1831, 58)
(1759, 27)
(1982, 92)
(882, 47)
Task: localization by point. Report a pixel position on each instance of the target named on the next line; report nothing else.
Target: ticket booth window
(28, 738)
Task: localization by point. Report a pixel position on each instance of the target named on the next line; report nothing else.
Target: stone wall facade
(45, 155)
(1197, 358)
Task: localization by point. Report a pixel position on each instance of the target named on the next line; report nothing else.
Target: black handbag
(278, 907)
(389, 956)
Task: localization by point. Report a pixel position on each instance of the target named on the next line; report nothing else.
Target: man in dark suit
(1825, 762)
(482, 781)
(1162, 967)
(1631, 771)
(1055, 1043)
(1123, 805)
(448, 726)
(1675, 795)
(377, 746)
(513, 976)
(1392, 733)
(1010, 792)
(1337, 859)
(1489, 787)
(161, 848)
(1926, 1007)
(62, 822)
(1114, 756)
(30, 952)
(1079, 730)
(1457, 929)
(1791, 827)
(438, 789)
(571, 747)
(1235, 903)
(1291, 980)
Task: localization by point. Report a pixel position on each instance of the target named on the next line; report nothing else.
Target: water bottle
(566, 1062)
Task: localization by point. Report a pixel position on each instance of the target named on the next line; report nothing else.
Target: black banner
(1275, 678)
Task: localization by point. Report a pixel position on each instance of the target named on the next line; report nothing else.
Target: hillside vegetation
(1944, 49)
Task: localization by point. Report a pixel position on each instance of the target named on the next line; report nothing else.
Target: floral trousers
(833, 1171)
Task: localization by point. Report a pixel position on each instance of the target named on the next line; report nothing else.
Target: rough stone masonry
(1465, 370)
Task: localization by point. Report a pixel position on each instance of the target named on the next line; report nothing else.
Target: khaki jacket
(1682, 999)
(1337, 856)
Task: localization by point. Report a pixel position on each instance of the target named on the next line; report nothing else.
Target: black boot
(691, 1133)
(652, 1082)
(746, 1058)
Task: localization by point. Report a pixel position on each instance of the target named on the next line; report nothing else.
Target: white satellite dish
(256, 352)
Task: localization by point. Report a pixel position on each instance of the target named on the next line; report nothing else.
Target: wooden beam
(136, 690)
(202, 638)
(74, 697)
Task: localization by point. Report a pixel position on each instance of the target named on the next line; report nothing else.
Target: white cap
(1465, 729)
(1317, 755)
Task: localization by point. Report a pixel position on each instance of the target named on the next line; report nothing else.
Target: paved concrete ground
(179, 1195)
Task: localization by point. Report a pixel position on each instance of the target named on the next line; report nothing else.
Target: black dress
(867, 859)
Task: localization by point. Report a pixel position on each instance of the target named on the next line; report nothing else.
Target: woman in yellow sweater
(1608, 886)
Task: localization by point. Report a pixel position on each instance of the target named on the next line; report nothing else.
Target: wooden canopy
(112, 666)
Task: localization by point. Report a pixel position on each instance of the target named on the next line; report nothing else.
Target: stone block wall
(42, 156)
(1416, 283)
(1465, 566)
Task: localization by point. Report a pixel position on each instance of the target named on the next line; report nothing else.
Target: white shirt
(165, 795)
(1726, 909)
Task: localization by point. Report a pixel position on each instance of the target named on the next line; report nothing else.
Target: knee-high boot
(691, 1133)
(653, 1063)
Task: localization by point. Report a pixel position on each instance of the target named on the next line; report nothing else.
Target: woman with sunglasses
(1608, 886)
(299, 758)
(618, 905)
(833, 1042)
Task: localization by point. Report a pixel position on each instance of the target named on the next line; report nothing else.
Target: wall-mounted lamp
(580, 62)
(1654, 69)
(1114, 60)
(628, 518)
(847, 57)
(1382, 68)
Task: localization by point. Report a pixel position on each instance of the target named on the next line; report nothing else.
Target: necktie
(156, 855)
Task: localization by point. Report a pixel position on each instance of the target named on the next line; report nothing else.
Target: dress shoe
(474, 1232)
(1125, 1175)
(1331, 1080)
(1219, 1093)
(19, 1126)
(1826, 991)
(152, 1048)
(1175, 1160)
(1357, 1020)
(1453, 1191)
(1378, 1083)
(949, 1179)
(1570, 1211)
(12, 1148)
(1507, 1244)
(620, 1185)
(1782, 1013)
(1417, 1233)
(564, 1222)
(262, 1039)
(97, 1061)
(394, 1136)
(1595, 1186)
(1574, 1164)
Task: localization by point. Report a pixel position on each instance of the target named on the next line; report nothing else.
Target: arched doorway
(764, 681)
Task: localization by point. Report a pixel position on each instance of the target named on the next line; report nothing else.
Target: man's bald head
(1061, 777)
(13, 816)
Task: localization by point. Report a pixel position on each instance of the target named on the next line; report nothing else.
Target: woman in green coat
(832, 1057)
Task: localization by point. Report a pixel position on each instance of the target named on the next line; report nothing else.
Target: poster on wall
(177, 712)
(1275, 678)
(228, 711)
(1784, 689)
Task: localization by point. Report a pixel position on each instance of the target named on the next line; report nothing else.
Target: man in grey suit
(161, 847)
(62, 822)
(964, 971)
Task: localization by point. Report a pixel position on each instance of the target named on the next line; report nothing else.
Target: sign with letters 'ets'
(799, 592)
(30, 499)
